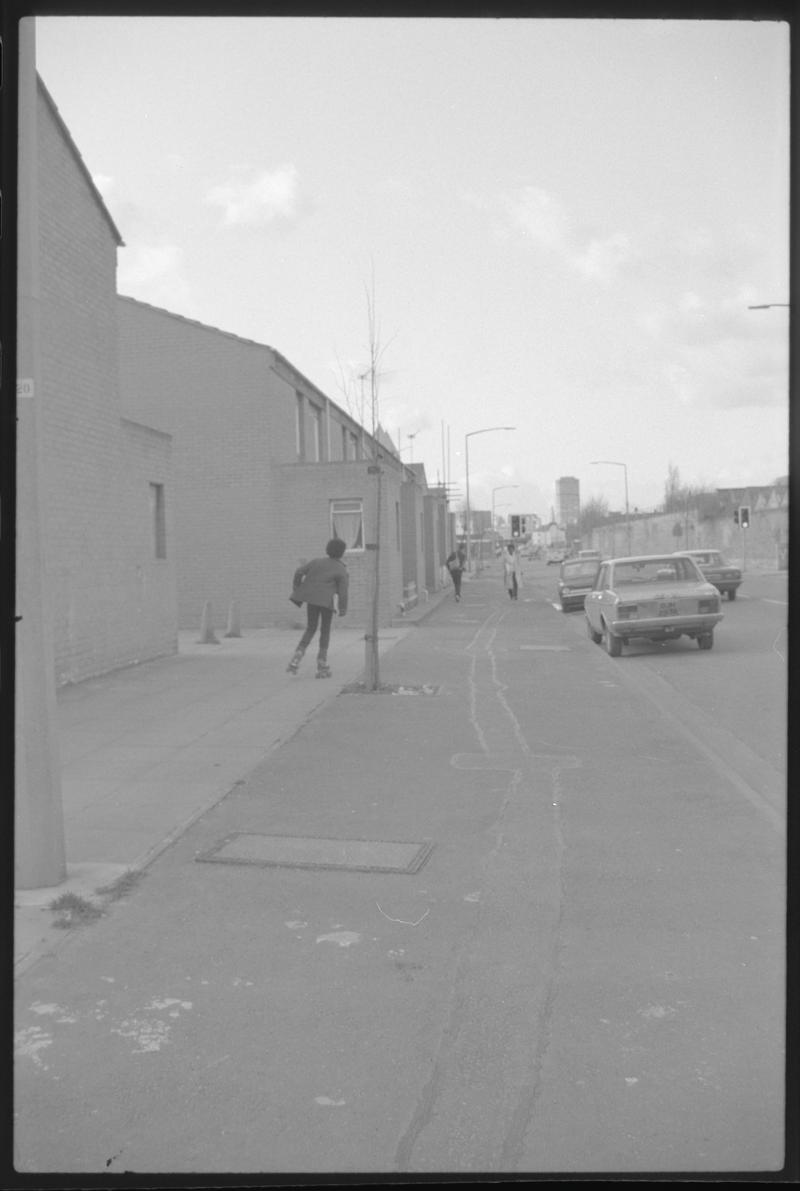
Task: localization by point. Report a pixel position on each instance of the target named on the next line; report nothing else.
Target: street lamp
(613, 463)
(501, 488)
(467, 437)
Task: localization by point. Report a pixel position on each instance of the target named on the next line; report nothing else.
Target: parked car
(575, 581)
(653, 597)
(726, 578)
(595, 554)
(555, 555)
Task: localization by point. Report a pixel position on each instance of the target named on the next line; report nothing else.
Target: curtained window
(347, 522)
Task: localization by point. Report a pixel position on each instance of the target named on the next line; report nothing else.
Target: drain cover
(297, 851)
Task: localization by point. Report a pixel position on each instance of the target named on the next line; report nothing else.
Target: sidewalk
(147, 750)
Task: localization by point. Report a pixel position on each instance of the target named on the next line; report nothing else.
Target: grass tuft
(74, 910)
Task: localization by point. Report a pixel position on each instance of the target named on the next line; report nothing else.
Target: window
(300, 426)
(344, 442)
(316, 434)
(158, 520)
(397, 522)
(347, 522)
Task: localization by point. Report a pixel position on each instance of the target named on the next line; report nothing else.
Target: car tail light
(708, 605)
(627, 611)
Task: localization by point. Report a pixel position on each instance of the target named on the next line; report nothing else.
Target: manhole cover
(297, 851)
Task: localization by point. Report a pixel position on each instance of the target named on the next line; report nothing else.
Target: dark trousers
(317, 616)
(456, 577)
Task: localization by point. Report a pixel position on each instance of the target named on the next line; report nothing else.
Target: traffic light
(515, 525)
(736, 516)
(744, 516)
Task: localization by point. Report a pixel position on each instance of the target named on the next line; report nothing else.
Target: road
(586, 975)
(735, 705)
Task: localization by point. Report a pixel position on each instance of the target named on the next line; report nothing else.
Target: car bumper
(573, 599)
(663, 626)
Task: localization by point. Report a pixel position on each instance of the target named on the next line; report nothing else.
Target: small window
(344, 442)
(316, 434)
(397, 522)
(300, 425)
(158, 520)
(347, 522)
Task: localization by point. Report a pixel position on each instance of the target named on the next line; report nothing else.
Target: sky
(559, 224)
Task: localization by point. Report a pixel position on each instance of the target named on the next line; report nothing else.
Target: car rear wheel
(596, 637)
(706, 641)
(613, 643)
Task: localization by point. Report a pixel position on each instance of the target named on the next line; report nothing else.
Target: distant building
(568, 500)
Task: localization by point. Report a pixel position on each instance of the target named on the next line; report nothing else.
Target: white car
(656, 597)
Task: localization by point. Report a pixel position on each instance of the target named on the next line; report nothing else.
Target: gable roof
(96, 195)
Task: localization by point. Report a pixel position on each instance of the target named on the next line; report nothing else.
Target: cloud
(539, 216)
(153, 273)
(148, 262)
(544, 223)
(271, 195)
(603, 259)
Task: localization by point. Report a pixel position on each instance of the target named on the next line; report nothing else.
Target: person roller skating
(322, 586)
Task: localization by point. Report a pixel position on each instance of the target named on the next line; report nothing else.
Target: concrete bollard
(207, 627)
(234, 628)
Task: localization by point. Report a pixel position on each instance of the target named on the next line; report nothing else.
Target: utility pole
(39, 819)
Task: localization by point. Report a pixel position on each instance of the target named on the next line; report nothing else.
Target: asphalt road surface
(586, 975)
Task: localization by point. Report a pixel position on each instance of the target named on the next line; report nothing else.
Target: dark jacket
(317, 581)
(456, 561)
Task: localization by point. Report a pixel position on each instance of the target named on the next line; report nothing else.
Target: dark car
(717, 570)
(575, 581)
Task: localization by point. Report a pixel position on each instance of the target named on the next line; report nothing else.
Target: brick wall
(230, 419)
(303, 527)
(92, 546)
(655, 534)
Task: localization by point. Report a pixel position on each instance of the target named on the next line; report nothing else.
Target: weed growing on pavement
(74, 910)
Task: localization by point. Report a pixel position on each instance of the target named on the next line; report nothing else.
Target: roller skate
(294, 664)
(323, 669)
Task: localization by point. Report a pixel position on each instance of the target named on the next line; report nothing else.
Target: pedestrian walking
(322, 586)
(512, 571)
(455, 563)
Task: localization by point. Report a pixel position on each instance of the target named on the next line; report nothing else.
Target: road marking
(783, 603)
(550, 648)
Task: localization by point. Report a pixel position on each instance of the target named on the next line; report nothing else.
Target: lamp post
(501, 488)
(467, 437)
(614, 463)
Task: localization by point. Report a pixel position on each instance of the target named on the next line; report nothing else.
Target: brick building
(183, 463)
(106, 479)
(266, 469)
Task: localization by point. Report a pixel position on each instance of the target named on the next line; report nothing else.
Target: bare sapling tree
(372, 376)
(361, 391)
